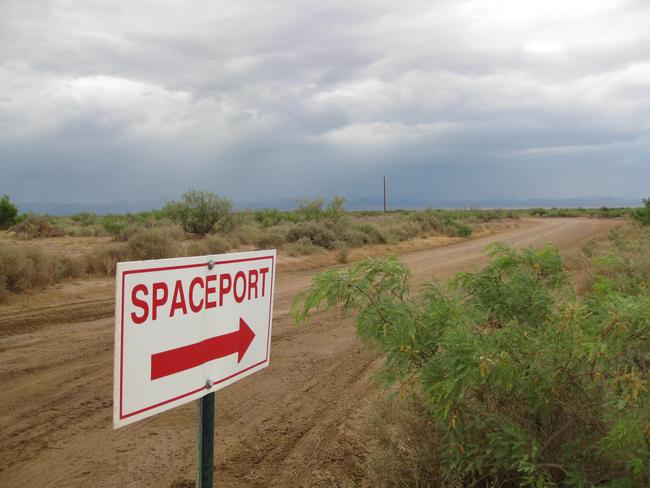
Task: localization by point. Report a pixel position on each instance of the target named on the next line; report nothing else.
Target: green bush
(526, 384)
(199, 212)
(85, 218)
(642, 215)
(319, 234)
(373, 234)
(335, 209)
(8, 212)
(309, 210)
(428, 220)
(463, 230)
(115, 226)
(269, 217)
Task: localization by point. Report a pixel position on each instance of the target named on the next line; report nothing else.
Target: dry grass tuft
(154, 243)
(33, 227)
(303, 247)
(103, 260)
(26, 267)
(402, 449)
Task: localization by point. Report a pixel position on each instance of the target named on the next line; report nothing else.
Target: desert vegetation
(204, 223)
(516, 378)
(8, 212)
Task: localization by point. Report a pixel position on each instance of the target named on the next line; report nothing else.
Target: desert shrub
(199, 212)
(428, 221)
(448, 226)
(19, 268)
(8, 212)
(309, 210)
(302, 247)
(218, 244)
(155, 243)
(85, 218)
(115, 226)
(318, 233)
(248, 234)
(68, 267)
(335, 208)
(525, 383)
(354, 238)
(538, 212)
(405, 230)
(268, 240)
(438, 222)
(103, 261)
(91, 230)
(270, 217)
(642, 215)
(34, 226)
(374, 235)
(463, 230)
(26, 267)
(196, 248)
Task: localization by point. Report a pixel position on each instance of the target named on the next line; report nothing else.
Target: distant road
(292, 424)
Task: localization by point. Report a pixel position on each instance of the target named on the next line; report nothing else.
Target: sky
(451, 99)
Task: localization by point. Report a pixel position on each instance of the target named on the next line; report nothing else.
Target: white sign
(186, 327)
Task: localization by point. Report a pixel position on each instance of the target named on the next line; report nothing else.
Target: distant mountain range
(363, 203)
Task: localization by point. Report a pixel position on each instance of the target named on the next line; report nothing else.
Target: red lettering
(158, 300)
(209, 290)
(198, 281)
(240, 277)
(252, 283)
(178, 300)
(223, 290)
(263, 272)
(139, 303)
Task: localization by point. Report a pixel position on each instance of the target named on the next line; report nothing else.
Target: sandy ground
(289, 425)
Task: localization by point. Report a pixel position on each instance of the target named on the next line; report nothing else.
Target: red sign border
(168, 268)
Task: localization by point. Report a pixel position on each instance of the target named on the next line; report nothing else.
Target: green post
(205, 447)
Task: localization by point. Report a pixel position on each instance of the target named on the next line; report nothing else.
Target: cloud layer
(452, 99)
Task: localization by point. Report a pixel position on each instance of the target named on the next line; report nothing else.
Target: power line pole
(384, 193)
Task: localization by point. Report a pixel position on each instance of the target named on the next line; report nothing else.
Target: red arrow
(187, 357)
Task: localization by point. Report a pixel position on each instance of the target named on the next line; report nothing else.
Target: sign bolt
(208, 384)
(211, 264)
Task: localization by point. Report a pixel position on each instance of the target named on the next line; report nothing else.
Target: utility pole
(384, 193)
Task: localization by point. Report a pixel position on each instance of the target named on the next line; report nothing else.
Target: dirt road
(285, 426)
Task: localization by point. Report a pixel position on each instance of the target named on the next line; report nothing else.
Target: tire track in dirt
(37, 318)
(284, 426)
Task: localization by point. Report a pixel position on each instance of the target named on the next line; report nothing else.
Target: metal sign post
(186, 327)
(205, 441)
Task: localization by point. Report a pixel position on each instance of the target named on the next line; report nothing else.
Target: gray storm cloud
(104, 101)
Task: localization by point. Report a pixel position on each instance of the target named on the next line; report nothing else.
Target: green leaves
(514, 286)
(8, 212)
(525, 382)
(198, 212)
(642, 215)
